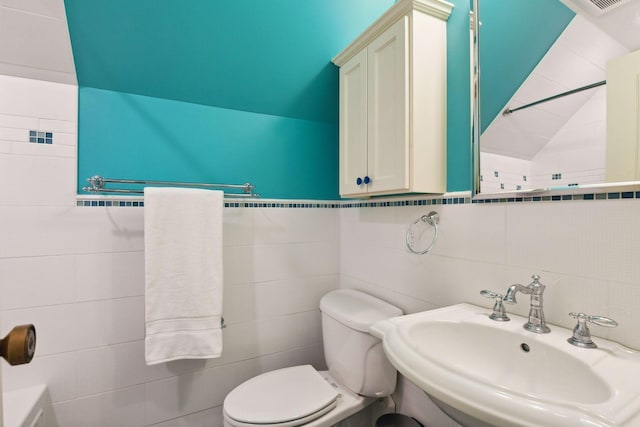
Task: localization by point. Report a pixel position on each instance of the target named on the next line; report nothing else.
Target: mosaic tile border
(411, 202)
(284, 204)
(347, 204)
(616, 195)
(94, 203)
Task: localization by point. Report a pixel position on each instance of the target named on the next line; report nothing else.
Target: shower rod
(508, 110)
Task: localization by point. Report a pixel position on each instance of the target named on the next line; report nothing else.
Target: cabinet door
(388, 105)
(353, 124)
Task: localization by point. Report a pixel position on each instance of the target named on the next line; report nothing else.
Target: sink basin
(490, 355)
(482, 372)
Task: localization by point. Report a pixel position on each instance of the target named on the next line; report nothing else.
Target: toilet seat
(285, 398)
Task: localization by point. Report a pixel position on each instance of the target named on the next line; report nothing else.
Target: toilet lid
(280, 396)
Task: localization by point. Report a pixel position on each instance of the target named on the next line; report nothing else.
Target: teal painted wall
(264, 56)
(458, 98)
(511, 45)
(138, 137)
(151, 108)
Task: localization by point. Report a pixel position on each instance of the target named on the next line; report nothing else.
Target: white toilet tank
(354, 357)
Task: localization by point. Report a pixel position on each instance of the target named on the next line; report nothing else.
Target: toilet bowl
(358, 374)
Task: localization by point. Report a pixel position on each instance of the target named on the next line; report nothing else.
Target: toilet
(359, 372)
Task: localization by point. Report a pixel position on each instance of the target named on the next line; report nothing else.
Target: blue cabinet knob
(359, 181)
(367, 180)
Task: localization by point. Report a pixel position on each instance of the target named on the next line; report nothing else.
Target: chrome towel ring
(432, 219)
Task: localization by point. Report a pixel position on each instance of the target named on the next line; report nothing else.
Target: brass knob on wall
(19, 346)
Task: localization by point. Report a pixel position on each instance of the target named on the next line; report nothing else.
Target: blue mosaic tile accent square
(40, 137)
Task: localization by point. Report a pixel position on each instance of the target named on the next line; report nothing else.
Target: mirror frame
(560, 193)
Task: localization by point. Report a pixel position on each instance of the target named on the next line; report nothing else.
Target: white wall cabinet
(393, 103)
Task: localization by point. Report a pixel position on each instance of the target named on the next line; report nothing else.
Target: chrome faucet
(536, 321)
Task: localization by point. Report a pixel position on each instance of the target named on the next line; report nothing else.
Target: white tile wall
(77, 273)
(585, 251)
(37, 174)
(511, 173)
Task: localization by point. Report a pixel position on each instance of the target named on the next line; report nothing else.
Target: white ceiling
(621, 21)
(44, 48)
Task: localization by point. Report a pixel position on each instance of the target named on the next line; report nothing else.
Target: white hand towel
(183, 273)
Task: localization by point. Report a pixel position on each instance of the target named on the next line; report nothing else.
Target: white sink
(483, 372)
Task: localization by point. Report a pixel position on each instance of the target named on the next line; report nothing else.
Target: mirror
(546, 73)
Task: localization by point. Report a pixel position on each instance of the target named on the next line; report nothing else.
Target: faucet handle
(581, 334)
(490, 294)
(598, 320)
(499, 313)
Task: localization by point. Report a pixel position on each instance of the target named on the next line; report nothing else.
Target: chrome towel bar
(97, 185)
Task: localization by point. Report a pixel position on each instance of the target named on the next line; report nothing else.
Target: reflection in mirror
(560, 89)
